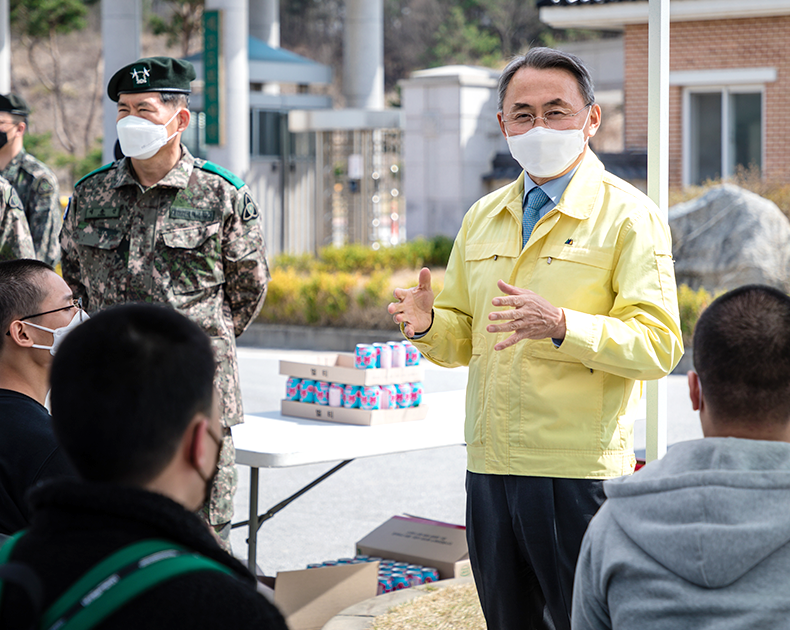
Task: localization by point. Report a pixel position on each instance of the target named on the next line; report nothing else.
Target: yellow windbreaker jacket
(603, 255)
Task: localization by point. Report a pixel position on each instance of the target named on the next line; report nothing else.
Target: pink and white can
(370, 397)
(364, 356)
(336, 395)
(403, 397)
(322, 392)
(292, 388)
(307, 391)
(398, 354)
(416, 394)
(383, 355)
(389, 397)
(351, 396)
(412, 354)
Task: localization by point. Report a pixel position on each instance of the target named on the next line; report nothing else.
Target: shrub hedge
(350, 287)
(362, 259)
(341, 299)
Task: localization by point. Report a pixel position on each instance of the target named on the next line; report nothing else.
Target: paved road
(326, 522)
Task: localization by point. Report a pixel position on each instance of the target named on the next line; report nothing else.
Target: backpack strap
(120, 578)
(5, 554)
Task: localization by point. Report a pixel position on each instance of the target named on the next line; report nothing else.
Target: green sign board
(212, 45)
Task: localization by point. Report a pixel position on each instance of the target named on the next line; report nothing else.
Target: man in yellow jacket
(560, 296)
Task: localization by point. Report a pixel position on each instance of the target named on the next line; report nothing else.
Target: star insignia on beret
(140, 75)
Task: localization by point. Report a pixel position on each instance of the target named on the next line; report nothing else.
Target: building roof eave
(617, 15)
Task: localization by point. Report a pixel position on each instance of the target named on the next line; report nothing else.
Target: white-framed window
(723, 128)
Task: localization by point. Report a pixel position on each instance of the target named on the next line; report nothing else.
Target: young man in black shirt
(36, 308)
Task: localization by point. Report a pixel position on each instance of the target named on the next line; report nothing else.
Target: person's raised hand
(414, 306)
(530, 316)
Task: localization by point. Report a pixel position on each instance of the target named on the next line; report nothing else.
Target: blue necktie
(536, 199)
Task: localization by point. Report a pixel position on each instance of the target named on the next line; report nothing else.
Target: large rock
(730, 237)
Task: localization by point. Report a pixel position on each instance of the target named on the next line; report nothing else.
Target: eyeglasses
(554, 119)
(75, 303)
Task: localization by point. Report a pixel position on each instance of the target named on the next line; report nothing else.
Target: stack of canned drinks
(397, 396)
(393, 354)
(393, 575)
(378, 355)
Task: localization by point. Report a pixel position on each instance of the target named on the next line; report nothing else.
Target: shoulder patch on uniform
(250, 210)
(101, 169)
(14, 202)
(224, 173)
(44, 186)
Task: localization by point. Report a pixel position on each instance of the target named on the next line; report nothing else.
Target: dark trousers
(524, 536)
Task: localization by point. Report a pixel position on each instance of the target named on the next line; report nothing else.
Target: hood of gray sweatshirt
(710, 510)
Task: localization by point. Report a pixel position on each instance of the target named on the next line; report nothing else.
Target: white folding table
(271, 440)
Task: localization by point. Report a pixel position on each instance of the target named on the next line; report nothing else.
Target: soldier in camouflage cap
(15, 241)
(34, 181)
(162, 226)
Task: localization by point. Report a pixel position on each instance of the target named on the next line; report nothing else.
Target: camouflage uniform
(37, 188)
(15, 241)
(191, 241)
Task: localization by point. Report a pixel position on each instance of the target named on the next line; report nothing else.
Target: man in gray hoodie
(699, 539)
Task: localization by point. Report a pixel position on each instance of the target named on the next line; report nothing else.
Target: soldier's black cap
(14, 104)
(152, 74)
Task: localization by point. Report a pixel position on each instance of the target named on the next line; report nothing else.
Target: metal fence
(331, 188)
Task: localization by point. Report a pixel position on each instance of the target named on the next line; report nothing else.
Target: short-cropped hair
(175, 99)
(548, 59)
(21, 291)
(125, 386)
(742, 355)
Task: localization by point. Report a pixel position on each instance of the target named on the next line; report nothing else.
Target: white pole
(121, 21)
(234, 154)
(363, 54)
(658, 188)
(5, 48)
(265, 25)
(265, 21)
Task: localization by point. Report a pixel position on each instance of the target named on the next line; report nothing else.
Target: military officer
(34, 181)
(15, 241)
(160, 225)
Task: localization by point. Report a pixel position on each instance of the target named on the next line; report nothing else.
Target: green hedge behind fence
(363, 259)
(350, 287)
(347, 287)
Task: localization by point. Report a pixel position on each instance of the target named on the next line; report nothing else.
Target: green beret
(152, 74)
(14, 104)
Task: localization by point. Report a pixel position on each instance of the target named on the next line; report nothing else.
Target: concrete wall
(450, 138)
(604, 59)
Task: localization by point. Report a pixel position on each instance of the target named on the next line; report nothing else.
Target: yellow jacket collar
(578, 201)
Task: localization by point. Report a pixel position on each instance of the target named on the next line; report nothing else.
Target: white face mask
(59, 334)
(141, 138)
(545, 152)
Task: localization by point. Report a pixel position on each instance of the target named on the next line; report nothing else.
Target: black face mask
(3, 139)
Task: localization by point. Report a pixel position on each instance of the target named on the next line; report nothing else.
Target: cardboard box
(368, 417)
(420, 541)
(339, 368)
(308, 599)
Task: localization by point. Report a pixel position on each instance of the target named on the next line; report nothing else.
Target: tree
(40, 23)
(183, 27)
(515, 23)
(461, 41)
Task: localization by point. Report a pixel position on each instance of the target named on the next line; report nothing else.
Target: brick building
(729, 80)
